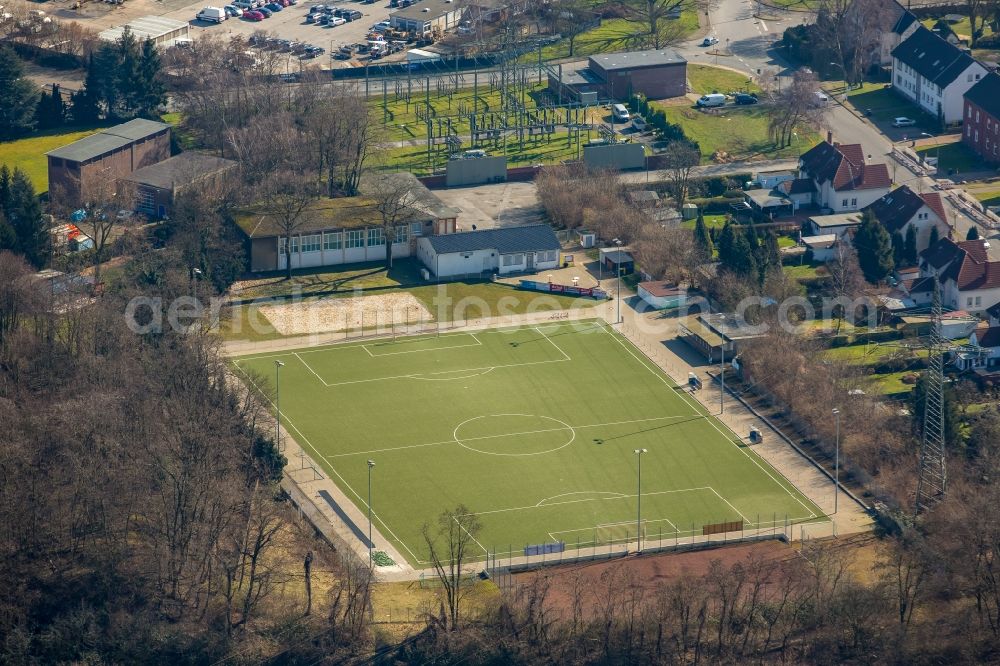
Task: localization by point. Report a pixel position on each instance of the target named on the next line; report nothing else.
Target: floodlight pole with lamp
(371, 463)
(638, 515)
(618, 266)
(278, 365)
(836, 462)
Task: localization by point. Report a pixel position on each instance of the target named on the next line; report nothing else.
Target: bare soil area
(341, 314)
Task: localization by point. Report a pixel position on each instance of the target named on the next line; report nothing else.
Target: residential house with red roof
(903, 208)
(981, 126)
(968, 271)
(842, 180)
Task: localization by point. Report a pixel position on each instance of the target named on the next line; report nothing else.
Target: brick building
(156, 186)
(79, 170)
(981, 130)
(657, 74)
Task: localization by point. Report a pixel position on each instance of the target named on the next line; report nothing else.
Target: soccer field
(534, 429)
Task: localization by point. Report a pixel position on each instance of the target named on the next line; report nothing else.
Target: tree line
(122, 82)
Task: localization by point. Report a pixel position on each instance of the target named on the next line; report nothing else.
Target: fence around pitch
(501, 564)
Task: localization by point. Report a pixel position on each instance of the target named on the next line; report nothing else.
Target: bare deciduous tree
(679, 158)
(457, 528)
(795, 107)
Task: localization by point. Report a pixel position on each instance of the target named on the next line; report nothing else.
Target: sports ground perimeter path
(332, 512)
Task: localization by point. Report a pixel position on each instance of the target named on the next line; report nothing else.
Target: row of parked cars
(251, 10)
(301, 49)
(331, 16)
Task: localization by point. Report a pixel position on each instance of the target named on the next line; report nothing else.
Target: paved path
(654, 334)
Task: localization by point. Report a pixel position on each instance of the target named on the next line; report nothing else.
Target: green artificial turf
(29, 153)
(533, 429)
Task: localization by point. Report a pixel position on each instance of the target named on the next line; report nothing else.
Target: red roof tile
(967, 263)
(844, 166)
(934, 202)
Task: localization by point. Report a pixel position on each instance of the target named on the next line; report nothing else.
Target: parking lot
(290, 23)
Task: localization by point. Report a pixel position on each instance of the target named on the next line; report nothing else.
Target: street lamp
(836, 463)
(371, 463)
(638, 515)
(618, 266)
(277, 402)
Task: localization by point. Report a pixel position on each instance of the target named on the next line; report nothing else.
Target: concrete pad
(494, 205)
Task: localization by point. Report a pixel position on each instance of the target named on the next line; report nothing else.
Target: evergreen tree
(127, 79)
(910, 246)
(151, 92)
(4, 188)
(772, 250)
(725, 243)
(973, 233)
(18, 96)
(51, 112)
(8, 239)
(24, 213)
(934, 237)
(702, 238)
(874, 249)
(87, 100)
(735, 252)
(898, 248)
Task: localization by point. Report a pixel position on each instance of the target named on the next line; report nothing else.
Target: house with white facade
(885, 23)
(934, 74)
(842, 181)
(968, 272)
(985, 360)
(503, 250)
(903, 208)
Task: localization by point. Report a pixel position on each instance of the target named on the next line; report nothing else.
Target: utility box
(689, 211)
(587, 238)
(756, 436)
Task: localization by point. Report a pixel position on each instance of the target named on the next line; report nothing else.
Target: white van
(212, 14)
(820, 98)
(620, 113)
(714, 99)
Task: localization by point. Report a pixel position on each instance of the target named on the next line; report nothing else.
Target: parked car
(336, 20)
(745, 98)
(233, 11)
(708, 101)
(243, 4)
(711, 40)
(283, 3)
(265, 11)
(351, 15)
(311, 18)
(253, 15)
(212, 15)
(316, 9)
(619, 113)
(273, 7)
(903, 121)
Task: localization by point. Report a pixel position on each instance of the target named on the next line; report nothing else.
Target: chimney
(829, 136)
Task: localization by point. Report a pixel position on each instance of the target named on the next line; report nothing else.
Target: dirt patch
(341, 314)
(648, 571)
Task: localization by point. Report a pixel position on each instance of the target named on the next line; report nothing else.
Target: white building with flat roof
(163, 31)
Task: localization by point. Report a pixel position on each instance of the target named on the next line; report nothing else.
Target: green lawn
(954, 155)
(740, 132)
(461, 300)
(716, 221)
(987, 197)
(707, 79)
(886, 104)
(613, 35)
(533, 429)
(29, 153)
(806, 271)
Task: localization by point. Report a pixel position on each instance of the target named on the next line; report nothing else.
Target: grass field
(533, 429)
(708, 79)
(29, 153)
(955, 155)
(616, 34)
(739, 132)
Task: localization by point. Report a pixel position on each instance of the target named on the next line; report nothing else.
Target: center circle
(514, 434)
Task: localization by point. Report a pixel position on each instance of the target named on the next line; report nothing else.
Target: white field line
(342, 480)
(558, 348)
(580, 492)
(586, 499)
(712, 421)
(429, 376)
(506, 434)
(477, 343)
(308, 367)
(626, 523)
(747, 520)
(336, 346)
(455, 518)
(451, 379)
